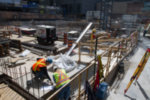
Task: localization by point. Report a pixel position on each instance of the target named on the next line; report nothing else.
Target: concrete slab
(140, 91)
(23, 38)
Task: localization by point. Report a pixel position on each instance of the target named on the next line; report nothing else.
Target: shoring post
(17, 75)
(79, 86)
(79, 52)
(7, 49)
(118, 52)
(136, 38)
(32, 82)
(43, 90)
(20, 47)
(4, 71)
(91, 42)
(131, 41)
(1, 64)
(38, 90)
(10, 72)
(87, 74)
(1, 51)
(121, 46)
(9, 62)
(108, 62)
(6, 67)
(26, 76)
(21, 77)
(86, 79)
(14, 74)
(95, 56)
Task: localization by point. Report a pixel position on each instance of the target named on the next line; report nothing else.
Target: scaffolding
(105, 14)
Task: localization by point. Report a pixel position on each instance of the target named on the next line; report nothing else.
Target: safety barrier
(65, 38)
(112, 55)
(118, 51)
(70, 42)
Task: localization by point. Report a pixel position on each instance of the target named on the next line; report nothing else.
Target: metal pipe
(38, 90)
(14, 74)
(26, 76)
(21, 76)
(43, 90)
(6, 68)
(32, 83)
(17, 76)
(80, 37)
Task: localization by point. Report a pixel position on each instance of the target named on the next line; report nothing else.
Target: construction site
(74, 50)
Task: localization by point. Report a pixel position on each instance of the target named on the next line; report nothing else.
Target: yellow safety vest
(61, 78)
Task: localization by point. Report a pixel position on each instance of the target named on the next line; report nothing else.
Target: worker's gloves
(51, 83)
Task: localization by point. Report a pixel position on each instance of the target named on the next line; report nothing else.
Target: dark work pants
(42, 73)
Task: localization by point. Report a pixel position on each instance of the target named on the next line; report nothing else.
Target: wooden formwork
(12, 91)
(119, 49)
(4, 49)
(16, 44)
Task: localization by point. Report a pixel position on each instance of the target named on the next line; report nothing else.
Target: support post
(79, 52)
(79, 87)
(108, 62)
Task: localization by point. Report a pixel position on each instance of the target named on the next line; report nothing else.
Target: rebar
(32, 82)
(21, 76)
(26, 76)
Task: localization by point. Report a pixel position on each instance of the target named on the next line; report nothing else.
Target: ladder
(139, 69)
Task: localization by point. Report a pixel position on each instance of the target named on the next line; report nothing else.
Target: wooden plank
(99, 45)
(6, 93)
(115, 49)
(104, 47)
(9, 94)
(107, 40)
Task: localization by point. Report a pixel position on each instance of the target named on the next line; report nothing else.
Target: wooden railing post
(108, 62)
(79, 52)
(79, 86)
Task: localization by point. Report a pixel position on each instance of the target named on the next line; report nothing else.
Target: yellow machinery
(139, 69)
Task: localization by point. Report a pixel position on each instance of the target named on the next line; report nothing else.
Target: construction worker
(61, 78)
(147, 26)
(93, 33)
(39, 68)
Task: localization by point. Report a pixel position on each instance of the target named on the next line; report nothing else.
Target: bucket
(102, 90)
